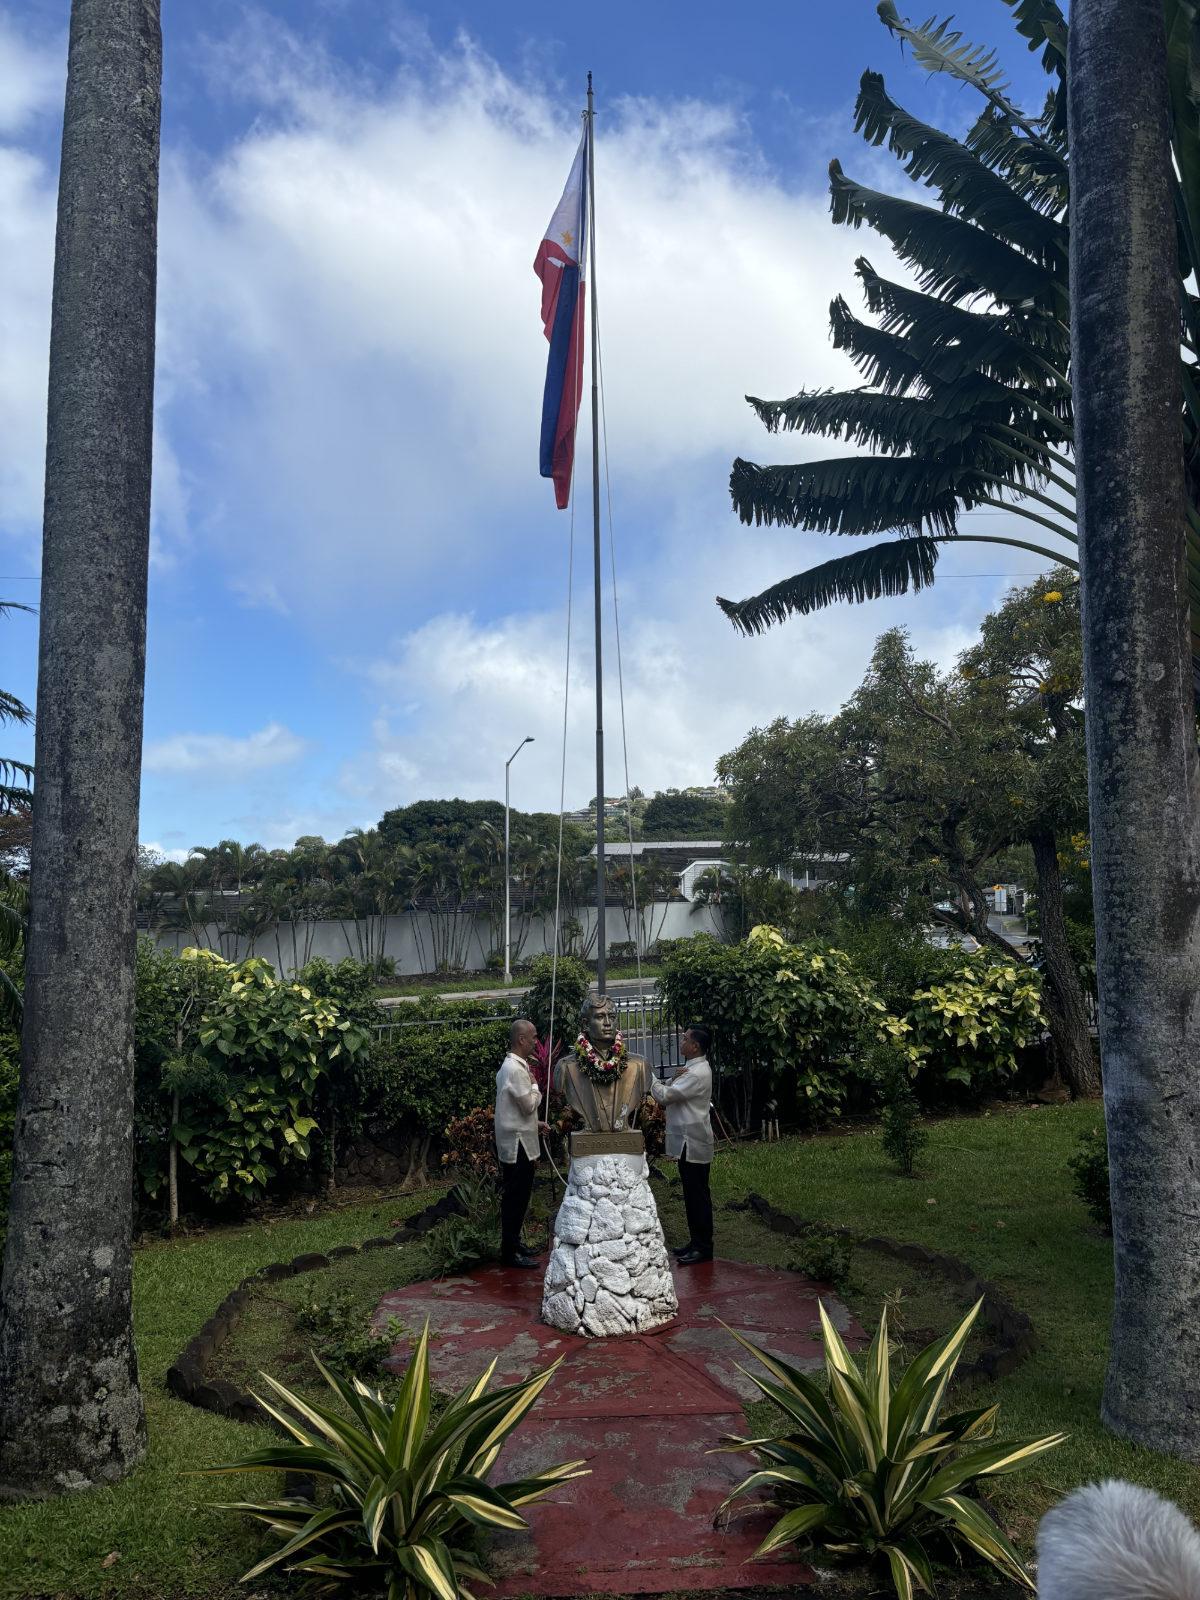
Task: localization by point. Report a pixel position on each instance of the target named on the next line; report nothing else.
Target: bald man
(518, 1144)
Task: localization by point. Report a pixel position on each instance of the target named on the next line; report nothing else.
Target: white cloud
(458, 693)
(259, 594)
(357, 273)
(31, 83)
(27, 250)
(177, 855)
(222, 758)
(349, 382)
(32, 76)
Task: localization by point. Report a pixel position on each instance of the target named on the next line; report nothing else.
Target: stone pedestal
(608, 1272)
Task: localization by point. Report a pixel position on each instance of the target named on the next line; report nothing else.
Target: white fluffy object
(1116, 1541)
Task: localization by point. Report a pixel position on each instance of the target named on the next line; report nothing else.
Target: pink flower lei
(601, 1069)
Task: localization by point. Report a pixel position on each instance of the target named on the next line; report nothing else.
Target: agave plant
(406, 1500)
(871, 1467)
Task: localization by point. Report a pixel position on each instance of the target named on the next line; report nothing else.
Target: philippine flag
(559, 265)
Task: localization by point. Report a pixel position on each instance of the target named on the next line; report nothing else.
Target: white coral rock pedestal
(609, 1272)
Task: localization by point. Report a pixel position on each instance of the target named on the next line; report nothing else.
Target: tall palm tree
(185, 901)
(967, 403)
(1144, 775)
(70, 1404)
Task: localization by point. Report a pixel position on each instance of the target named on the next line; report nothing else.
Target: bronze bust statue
(605, 1107)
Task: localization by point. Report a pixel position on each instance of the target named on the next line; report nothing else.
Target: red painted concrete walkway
(643, 1410)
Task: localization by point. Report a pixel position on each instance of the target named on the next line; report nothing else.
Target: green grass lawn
(993, 1190)
(157, 1522)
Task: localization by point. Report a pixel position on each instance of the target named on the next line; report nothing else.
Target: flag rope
(612, 555)
(636, 925)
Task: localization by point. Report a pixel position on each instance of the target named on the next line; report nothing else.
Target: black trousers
(516, 1187)
(697, 1201)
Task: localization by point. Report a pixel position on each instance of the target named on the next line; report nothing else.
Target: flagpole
(601, 885)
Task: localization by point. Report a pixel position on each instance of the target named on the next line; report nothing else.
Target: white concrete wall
(408, 939)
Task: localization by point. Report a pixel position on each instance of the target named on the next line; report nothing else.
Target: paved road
(615, 986)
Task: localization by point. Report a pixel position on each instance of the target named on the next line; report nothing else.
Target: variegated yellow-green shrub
(870, 1467)
(969, 1028)
(406, 1499)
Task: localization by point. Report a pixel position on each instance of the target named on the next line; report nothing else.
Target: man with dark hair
(685, 1099)
(517, 1141)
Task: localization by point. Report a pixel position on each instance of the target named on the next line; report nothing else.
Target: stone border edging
(1013, 1331)
(187, 1378)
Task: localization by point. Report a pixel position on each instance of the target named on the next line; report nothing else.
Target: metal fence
(388, 1030)
(642, 1019)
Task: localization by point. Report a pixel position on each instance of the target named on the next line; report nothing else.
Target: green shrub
(350, 985)
(788, 1021)
(430, 1007)
(662, 949)
(172, 996)
(969, 1028)
(1089, 1176)
(465, 1240)
(903, 1138)
(897, 959)
(871, 1467)
(570, 991)
(344, 1337)
(427, 1077)
(267, 1045)
(824, 1256)
(408, 1496)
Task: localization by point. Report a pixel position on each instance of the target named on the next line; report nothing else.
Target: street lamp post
(528, 739)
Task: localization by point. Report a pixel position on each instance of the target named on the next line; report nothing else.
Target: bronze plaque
(586, 1146)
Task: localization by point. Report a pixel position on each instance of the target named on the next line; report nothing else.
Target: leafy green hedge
(793, 1023)
(423, 1078)
(261, 1081)
(803, 1024)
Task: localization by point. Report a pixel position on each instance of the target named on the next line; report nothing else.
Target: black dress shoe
(682, 1249)
(531, 1256)
(523, 1262)
(692, 1257)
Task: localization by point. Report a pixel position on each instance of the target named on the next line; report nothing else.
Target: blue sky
(358, 583)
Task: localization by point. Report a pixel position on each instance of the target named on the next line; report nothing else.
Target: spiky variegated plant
(872, 1468)
(967, 403)
(406, 1500)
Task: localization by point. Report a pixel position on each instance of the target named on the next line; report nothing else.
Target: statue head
(600, 1021)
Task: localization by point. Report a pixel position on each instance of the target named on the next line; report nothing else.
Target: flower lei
(598, 1068)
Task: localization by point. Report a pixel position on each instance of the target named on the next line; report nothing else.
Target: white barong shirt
(685, 1098)
(517, 1101)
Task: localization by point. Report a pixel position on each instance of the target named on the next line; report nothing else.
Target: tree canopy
(676, 815)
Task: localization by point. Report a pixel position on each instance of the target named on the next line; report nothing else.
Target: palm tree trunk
(70, 1405)
(1143, 775)
(1062, 995)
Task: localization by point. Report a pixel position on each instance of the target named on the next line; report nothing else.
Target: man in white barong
(518, 1142)
(685, 1098)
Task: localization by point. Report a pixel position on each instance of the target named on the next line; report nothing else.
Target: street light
(528, 739)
